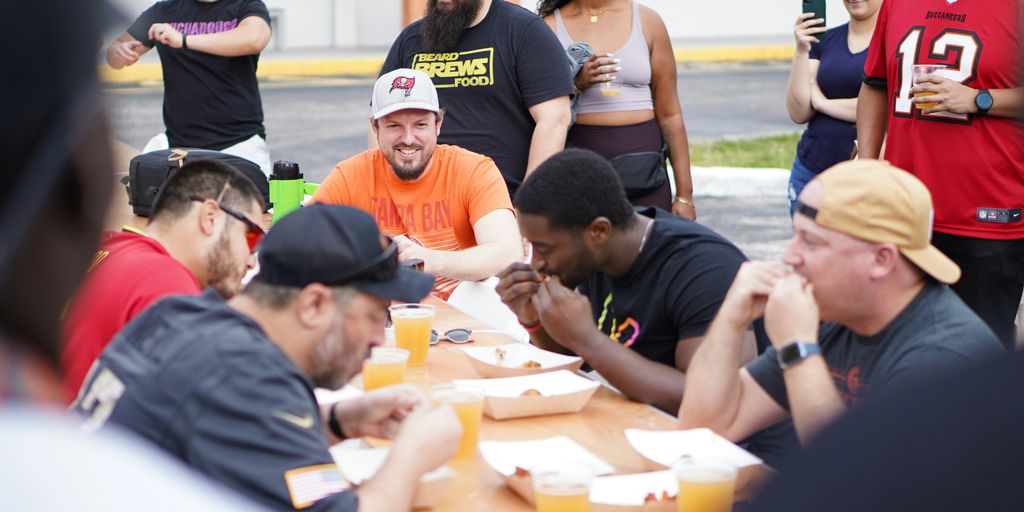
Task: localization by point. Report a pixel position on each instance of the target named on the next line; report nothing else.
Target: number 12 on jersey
(963, 70)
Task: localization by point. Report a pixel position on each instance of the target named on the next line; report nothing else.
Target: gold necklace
(594, 15)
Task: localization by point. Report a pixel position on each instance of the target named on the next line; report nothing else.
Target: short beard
(328, 373)
(406, 173)
(586, 265)
(409, 174)
(333, 365)
(221, 268)
(442, 29)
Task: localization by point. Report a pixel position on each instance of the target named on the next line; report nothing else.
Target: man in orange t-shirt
(444, 205)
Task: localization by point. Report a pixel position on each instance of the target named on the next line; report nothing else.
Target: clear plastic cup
(412, 323)
(385, 367)
(922, 70)
(705, 485)
(468, 402)
(562, 487)
(611, 87)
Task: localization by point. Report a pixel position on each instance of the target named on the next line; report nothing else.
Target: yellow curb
(740, 54)
(370, 66)
(366, 66)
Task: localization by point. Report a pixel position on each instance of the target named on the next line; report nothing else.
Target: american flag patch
(310, 484)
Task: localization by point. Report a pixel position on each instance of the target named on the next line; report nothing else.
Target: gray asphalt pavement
(320, 122)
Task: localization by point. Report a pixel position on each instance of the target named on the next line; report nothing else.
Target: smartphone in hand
(413, 263)
(818, 8)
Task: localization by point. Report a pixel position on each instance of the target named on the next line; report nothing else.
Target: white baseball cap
(403, 89)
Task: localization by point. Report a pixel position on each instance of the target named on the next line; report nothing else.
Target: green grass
(774, 151)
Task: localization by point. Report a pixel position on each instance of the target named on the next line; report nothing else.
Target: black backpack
(148, 172)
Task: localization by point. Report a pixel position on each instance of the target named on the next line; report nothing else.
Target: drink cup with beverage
(562, 487)
(921, 70)
(705, 485)
(412, 323)
(611, 87)
(385, 367)
(468, 402)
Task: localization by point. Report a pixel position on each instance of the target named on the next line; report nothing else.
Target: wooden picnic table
(599, 427)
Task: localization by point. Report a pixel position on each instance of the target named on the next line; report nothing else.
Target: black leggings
(612, 141)
(992, 281)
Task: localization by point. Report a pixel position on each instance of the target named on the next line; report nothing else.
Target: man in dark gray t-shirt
(861, 262)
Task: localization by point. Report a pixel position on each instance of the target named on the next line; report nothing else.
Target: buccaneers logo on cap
(404, 83)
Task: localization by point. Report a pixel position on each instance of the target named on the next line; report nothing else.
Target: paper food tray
(505, 456)
(663, 447)
(485, 360)
(560, 391)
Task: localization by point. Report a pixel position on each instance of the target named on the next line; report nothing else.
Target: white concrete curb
(739, 182)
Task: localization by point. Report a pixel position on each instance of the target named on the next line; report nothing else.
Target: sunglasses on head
(253, 233)
(381, 268)
(459, 335)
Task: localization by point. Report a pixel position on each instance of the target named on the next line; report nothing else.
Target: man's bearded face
(445, 21)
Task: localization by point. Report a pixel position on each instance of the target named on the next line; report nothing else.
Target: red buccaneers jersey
(129, 272)
(967, 161)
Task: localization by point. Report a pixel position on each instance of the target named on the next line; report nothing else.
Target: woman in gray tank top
(628, 99)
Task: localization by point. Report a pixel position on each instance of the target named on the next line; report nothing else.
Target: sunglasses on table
(459, 335)
(253, 233)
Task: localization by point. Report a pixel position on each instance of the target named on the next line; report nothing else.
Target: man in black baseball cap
(227, 387)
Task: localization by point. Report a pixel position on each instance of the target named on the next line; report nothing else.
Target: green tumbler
(287, 188)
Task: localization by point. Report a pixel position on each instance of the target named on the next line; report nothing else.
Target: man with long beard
(201, 234)
(227, 387)
(502, 77)
(445, 206)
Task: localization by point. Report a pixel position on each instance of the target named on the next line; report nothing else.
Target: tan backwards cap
(874, 201)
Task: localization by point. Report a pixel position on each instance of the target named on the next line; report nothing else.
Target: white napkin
(666, 446)
(505, 456)
(561, 382)
(359, 465)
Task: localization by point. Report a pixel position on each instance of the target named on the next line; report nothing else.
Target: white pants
(253, 149)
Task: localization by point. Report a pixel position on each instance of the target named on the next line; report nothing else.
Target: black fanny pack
(148, 172)
(641, 173)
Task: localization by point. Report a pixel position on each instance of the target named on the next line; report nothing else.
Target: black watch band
(333, 424)
(983, 101)
(792, 354)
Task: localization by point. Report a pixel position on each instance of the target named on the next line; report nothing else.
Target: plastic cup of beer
(468, 402)
(922, 70)
(385, 367)
(412, 324)
(705, 485)
(563, 487)
(611, 87)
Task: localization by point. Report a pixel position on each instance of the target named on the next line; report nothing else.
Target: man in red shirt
(201, 233)
(965, 141)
